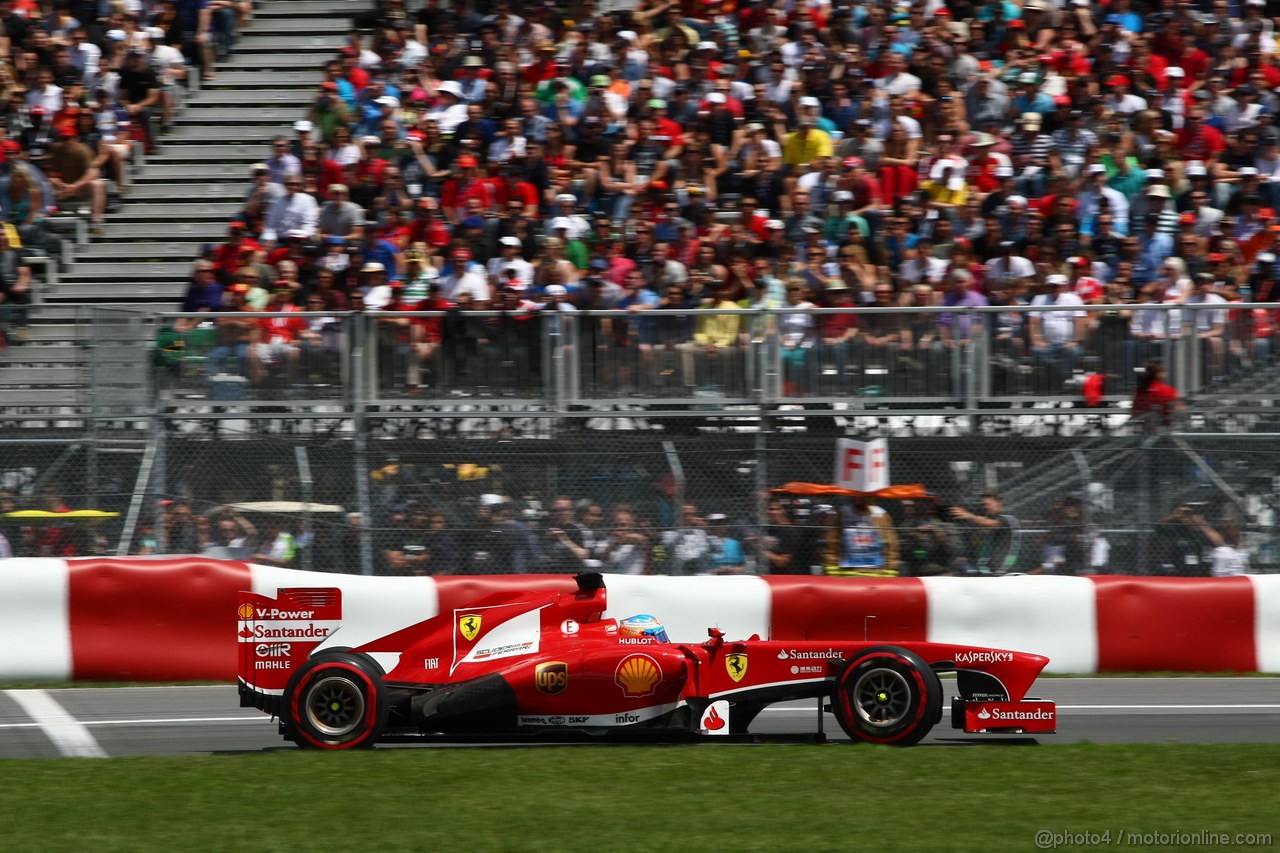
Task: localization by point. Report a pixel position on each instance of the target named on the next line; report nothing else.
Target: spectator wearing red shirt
(1154, 402)
(275, 339)
(468, 184)
(1199, 141)
(230, 256)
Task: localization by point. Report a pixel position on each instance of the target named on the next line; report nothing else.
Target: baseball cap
(557, 290)
(1056, 280)
(303, 126)
(854, 163)
(466, 161)
(373, 266)
(491, 500)
(514, 242)
(561, 222)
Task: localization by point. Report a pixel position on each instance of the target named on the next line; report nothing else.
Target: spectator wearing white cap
(1057, 336)
(1090, 201)
(577, 226)
(375, 286)
(451, 110)
(511, 261)
(170, 67)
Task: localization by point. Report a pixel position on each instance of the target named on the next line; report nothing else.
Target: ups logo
(551, 677)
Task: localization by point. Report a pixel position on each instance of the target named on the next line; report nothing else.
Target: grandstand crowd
(82, 83)
(745, 153)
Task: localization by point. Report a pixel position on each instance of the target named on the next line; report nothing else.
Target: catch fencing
(403, 504)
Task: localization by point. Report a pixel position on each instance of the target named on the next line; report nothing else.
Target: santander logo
(984, 714)
(713, 722)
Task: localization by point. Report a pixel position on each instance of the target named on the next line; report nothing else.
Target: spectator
(996, 536)
(726, 555)
(1154, 402)
(687, 546)
(15, 294)
(1183, 541)
(293, 211)
(861, 540)
(74, 177)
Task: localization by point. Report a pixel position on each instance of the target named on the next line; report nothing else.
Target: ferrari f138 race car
(549, 663)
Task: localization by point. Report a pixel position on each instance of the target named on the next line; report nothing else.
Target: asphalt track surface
(107, 722)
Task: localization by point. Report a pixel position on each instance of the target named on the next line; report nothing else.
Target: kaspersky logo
(637, 675)
(469, 626)
(736, 665)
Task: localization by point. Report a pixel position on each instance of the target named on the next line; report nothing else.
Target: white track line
(1099, 708)
(68, 734)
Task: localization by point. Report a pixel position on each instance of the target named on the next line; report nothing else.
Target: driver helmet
(643, 625)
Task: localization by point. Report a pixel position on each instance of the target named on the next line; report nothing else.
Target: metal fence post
(359, 415)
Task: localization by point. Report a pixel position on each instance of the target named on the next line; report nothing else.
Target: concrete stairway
(183, 195)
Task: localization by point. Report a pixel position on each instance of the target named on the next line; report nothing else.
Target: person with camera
(1182, 542)
(994, 539)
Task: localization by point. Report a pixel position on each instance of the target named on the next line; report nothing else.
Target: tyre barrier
(172, 619)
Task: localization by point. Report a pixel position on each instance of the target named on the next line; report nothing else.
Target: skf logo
(246, 611)
(551, 677)
(637, 675)
(736, 664)
(469, 626)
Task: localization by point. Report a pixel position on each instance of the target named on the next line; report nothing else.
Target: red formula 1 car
(548, 662)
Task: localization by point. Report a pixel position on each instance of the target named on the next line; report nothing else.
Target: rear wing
(277, 635)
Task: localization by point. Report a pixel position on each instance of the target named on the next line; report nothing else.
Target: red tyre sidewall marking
(846, 704)
(370, 705)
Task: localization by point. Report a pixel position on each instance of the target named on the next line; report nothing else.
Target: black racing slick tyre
(887, 695)
(336, 700)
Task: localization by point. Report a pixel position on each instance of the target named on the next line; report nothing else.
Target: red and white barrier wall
(173, 619)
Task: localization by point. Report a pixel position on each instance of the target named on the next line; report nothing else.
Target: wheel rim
(881, 697)
(335, 706)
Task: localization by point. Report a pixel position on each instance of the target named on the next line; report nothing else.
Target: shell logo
(246, 611)
(637, 675)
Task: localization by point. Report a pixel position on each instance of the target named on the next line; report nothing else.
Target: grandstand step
(301, 78)
(35, 353)
(204, 232)
(136, 251)
(52, 319)
(249, 97)
(272, 115)
(200, 134)
(11, 381)
(296, 8)
(240, 153)
(179, 190)
(162, 212)
(157, 172)
(315, 26)
(170, 291)
(261, 42)
(163, 271)
(275, 62)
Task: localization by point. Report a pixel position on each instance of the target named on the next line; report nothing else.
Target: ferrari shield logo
(736, 664)
(469, 626)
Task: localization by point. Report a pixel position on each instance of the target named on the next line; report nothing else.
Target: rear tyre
(887, 695)
(335, 701)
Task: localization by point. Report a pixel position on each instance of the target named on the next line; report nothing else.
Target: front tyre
(335, 701)
(888, 695)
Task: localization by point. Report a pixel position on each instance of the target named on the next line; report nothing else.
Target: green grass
(682, 798)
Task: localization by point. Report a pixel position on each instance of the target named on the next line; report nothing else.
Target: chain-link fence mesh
(652, 502)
